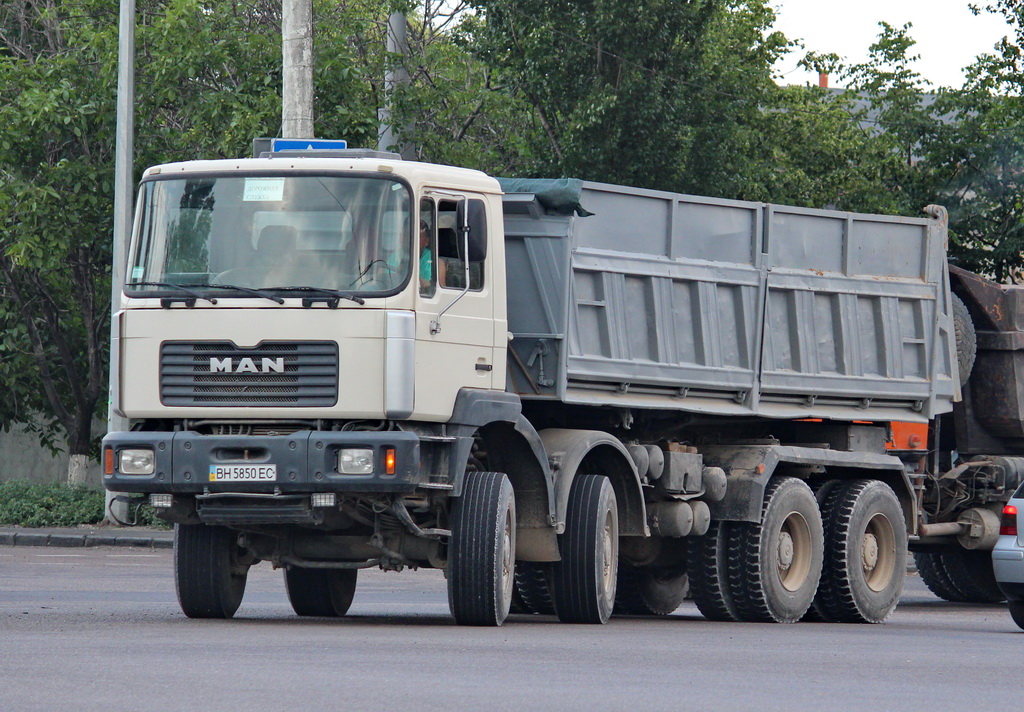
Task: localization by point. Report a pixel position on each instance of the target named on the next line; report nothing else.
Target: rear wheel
(933, 573)
(971, 572)
(776, 563)
(865, 553)
(210, 570)
(532, 588)
(584, 580)
(482, 550)
(708, 574)
(645, 592)
(320, 592)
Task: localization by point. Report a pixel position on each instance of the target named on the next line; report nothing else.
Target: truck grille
(275, 373)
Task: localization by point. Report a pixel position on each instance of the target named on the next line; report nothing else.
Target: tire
(482, 550)
(532, 588)
(706, 566)
(641, 592)
(966, 339)
(583, 582)
(325, 593)
(208, 574)
(933, 573)
(1017, 613)
(971, 572)
(865, 553)
(776, 563)
(517, 605)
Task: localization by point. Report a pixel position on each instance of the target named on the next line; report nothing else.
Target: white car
(1008, 556)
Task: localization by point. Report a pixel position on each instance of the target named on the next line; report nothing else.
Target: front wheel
(320, 592)
(583, 581)
(210, 570)
(482, 550)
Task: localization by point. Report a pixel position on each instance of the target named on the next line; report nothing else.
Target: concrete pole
(397, 43)
(297, 69)
(123, 194)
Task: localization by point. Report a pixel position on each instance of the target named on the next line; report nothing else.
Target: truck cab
(308, 346)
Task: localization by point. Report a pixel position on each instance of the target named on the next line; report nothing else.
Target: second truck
(574, 398)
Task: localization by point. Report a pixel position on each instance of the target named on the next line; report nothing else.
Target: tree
(209, 81)
(659, 101)
(978, 156)
(56, 111)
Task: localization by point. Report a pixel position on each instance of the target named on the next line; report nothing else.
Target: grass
(24, 504)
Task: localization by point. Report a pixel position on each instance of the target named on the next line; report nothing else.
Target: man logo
(247, 365)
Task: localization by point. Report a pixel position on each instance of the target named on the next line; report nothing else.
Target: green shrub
(50, 505)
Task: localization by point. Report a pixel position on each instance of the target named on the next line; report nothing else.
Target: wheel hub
(608, 555)
(869, 552)
(507, 560)
(785, 551)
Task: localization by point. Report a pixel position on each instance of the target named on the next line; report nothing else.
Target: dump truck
(574, 398)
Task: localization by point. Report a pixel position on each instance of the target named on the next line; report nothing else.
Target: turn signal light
(1008, 526)
(389, 461)
(108, 461)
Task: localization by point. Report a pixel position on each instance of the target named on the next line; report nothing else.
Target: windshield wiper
(265, 293)
(166, 302)
(331, 296)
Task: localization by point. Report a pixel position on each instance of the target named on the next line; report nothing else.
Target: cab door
(455, 325)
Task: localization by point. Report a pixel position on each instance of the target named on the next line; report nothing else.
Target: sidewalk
(88, 536)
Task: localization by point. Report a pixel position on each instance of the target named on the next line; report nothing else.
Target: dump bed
(661, 300)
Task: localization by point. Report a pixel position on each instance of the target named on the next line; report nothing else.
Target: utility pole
(123, 194)
(397, 44)
(297, 69)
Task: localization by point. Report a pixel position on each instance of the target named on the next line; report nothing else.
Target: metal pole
(297, 69)
(123, 193)
(397, 44)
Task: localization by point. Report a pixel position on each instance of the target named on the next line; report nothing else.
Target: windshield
(327, 232)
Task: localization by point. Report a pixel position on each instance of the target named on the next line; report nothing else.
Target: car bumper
(303, 462)
(1008, 566)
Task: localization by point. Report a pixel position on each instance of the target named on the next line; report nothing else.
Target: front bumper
(306, 461)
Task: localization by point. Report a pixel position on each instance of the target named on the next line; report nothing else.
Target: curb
(71, 538)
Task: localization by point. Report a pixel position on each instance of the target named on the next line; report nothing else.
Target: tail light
(1008, 526)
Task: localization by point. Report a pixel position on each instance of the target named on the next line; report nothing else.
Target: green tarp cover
(559, 195)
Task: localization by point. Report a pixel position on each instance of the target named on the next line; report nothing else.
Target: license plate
(243, 473)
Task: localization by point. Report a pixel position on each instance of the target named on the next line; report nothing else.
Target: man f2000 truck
(569, 396)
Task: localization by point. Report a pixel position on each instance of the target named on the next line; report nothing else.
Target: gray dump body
(669, 301)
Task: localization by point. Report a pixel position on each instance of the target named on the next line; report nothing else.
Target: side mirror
(477, 221)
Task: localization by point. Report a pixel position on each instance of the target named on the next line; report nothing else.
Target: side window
(427, 246)
(451, 244)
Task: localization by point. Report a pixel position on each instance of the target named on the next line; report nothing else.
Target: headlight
(355, 461)
(137, 462)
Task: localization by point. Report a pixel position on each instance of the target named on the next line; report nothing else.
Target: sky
(948, 35)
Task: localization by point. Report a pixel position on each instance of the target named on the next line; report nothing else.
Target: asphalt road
(100, 629)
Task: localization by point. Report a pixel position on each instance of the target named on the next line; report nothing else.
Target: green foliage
(656, 93)
(663, 100)
(23, 504)
(978, 156)
(810, 151)
(56, 145)
(50, 505)
(208, 81)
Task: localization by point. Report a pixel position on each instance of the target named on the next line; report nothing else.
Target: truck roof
(415, 172)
